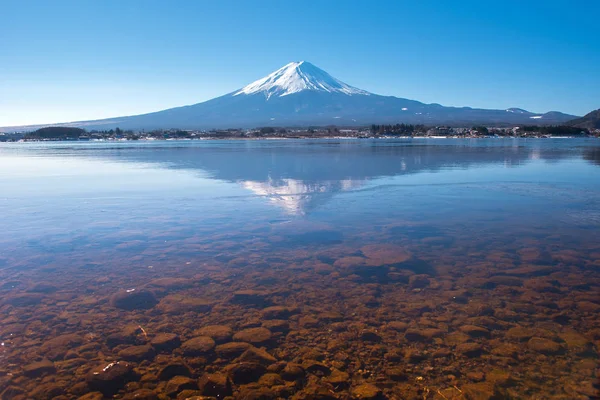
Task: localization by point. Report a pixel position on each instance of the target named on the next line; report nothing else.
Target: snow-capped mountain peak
(296, 77)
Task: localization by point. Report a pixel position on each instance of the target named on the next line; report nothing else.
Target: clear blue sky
(74, 60)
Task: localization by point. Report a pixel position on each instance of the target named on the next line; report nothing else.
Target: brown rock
(475, 331)
(418, 281)
(276, 325)
(338, 379)
(316, 368)
(385, 254)
(190, 394)
(110, 378)
(544, 346)
(232, 350)
(276, 312)
(366, 391)
(480, 391)
(92, 396)
(476, 376)
(396, 374)
(414, 356)
(470, 350)
(242, 373)
(141, 394)
(137, 353)
(506, 350)
(577, 343)
(588, 307)
(39, 368)
(350, 262)
(397, 326)
(422, 335)
(500, 377)
(219, 333)
(519, 333)
(47, 391)
(257, 356)
(65, 342)
(501, 280)
(198, 346)
(250, 392)
(179, 384)
(217, 385)
(254, 336)
(271, 379)
(133, 299)
(16, 392)
(293, 372)
(165, 341)
(370, 336)
(179, 304)
(43, 287)
(173, 369)
(23, 299)
(170, 283)
(250, 297)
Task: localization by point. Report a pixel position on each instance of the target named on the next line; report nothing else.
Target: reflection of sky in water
(99, 196)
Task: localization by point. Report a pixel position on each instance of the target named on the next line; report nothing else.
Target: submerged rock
(232, 350)
(242, 373)
(173, 369)
(254, 336)
(198, 346)
(367, 391)
(250, 297)
(165, 341)
(137, 353)
(219, 333)
(133, 299)
(385, 254)
(110, 378)
(39, 368)
(217, 385)
(179, 384)
(179, 304)
(544, 346)
(258, 356)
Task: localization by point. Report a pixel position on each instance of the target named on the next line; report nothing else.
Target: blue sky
(75, 60)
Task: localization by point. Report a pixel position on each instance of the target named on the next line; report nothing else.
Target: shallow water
(384, 268)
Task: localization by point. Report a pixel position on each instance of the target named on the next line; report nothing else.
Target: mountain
(301, 94)
(588, 121)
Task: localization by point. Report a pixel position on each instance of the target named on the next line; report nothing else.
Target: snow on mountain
(517, 111)
(296, 77)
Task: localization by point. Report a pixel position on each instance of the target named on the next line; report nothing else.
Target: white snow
(296, 77)
(536, 117)
(516, 111)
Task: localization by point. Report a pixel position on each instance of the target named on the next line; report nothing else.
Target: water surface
(427, 268)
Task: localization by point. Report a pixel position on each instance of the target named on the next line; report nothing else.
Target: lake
(305, 269)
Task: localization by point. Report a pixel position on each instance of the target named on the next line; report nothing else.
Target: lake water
(309, 269)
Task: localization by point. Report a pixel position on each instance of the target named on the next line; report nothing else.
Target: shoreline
(111, 140)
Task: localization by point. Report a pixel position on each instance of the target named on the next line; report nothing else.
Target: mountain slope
(588, 121)
(301, 94)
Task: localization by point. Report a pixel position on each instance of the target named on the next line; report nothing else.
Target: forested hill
(588, 121)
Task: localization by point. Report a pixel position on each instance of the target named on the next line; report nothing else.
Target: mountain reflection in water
(301, 175)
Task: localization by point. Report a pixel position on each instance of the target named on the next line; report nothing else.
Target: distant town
(57, 133)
